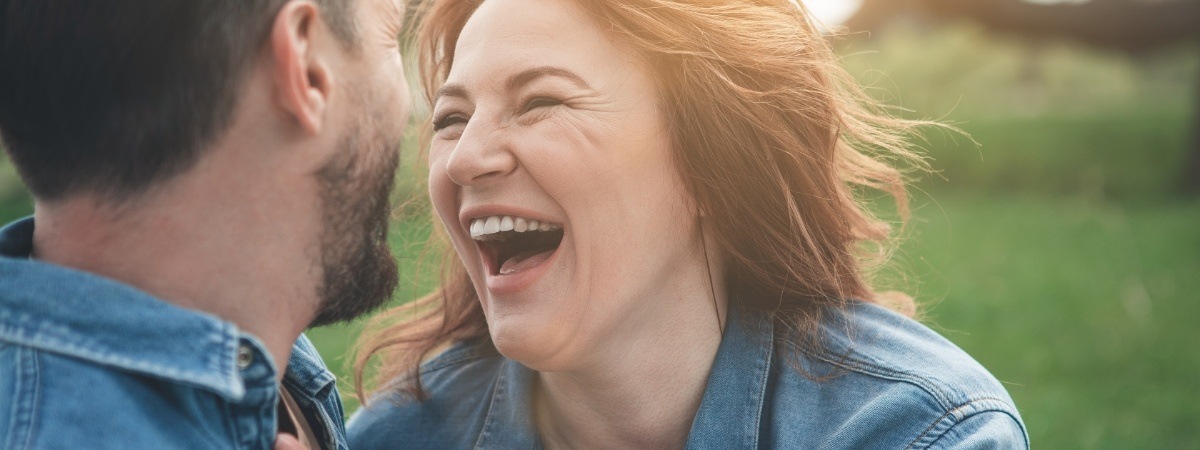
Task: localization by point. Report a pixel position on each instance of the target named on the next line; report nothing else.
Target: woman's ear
(303, 79)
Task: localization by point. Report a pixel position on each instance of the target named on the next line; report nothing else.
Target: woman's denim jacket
(891, 383)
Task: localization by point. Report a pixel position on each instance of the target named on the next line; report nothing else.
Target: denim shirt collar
(730, 413)
(100, 320)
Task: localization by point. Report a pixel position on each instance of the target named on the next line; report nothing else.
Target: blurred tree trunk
(1191, 171)
(1131, 26)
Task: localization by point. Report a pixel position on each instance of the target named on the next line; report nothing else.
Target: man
(210, 178)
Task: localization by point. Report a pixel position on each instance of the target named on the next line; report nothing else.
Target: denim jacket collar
(315, 389)
(109, 323)
(730, 414)
(509, 420)
(736, 390)
(306, 372)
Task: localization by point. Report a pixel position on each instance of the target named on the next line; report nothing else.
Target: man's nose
(482, 155)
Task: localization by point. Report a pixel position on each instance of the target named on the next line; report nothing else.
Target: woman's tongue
(524, 260)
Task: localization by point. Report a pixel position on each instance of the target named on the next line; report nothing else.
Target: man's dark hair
(111, 97)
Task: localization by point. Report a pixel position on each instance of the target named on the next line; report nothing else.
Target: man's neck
(191, 248)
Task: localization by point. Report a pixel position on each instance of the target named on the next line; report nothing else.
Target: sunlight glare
(832, 13)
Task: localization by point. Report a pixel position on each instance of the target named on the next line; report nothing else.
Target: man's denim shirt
(89, 363)
(895, 384)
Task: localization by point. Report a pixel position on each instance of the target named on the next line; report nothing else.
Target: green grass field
(1086, 310)
(1057, 252)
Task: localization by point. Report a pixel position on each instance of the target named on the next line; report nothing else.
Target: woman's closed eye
(452, 119)
(541, 102)
(448, 120)
(536, 109)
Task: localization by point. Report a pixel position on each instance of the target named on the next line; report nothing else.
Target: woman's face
(551, 170)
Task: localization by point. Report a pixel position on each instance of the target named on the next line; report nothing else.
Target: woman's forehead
(518, 33)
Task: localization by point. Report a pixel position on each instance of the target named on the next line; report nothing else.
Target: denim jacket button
(245, 357)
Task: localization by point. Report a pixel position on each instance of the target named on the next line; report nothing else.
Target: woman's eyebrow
(515, 82)
(451, 90)
(529, 75)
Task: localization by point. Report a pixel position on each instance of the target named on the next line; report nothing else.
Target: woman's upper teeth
(484, 226)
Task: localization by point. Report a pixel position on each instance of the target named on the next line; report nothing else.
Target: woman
(653, 208)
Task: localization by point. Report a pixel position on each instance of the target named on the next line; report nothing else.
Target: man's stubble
(359, 270)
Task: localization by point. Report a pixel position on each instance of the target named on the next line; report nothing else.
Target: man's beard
(359, 271)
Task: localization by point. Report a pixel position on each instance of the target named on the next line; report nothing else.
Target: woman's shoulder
(876, 341)
(457, 382)
(890, 379)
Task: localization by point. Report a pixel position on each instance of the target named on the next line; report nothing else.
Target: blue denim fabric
(86, 362)
(894, 384)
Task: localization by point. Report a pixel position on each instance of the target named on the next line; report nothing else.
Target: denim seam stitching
(956, 416)
(763, 377)
(928, 386)
(860, 366)
(264, 411)
(497, 387)
(56, 339)
(29, 388)
(229, 418)
(314, 404)
(225, 337)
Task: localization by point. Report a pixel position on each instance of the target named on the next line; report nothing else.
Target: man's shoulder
(458, 383)
(95, 358)
(79, 315)
(59, 401)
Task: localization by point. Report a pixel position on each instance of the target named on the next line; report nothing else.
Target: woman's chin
(539, 348)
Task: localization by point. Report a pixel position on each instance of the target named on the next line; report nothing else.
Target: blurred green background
(1059, 251)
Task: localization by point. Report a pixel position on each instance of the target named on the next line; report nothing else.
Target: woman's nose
(481, 155)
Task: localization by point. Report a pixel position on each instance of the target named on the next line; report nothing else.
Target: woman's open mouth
(513, 244)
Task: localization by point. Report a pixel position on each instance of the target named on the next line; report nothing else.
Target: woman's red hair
(774, 142)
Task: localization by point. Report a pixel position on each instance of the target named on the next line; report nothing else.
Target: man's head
(113, 97)
(114, 101)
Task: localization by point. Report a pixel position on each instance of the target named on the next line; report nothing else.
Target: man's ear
(303, 78)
